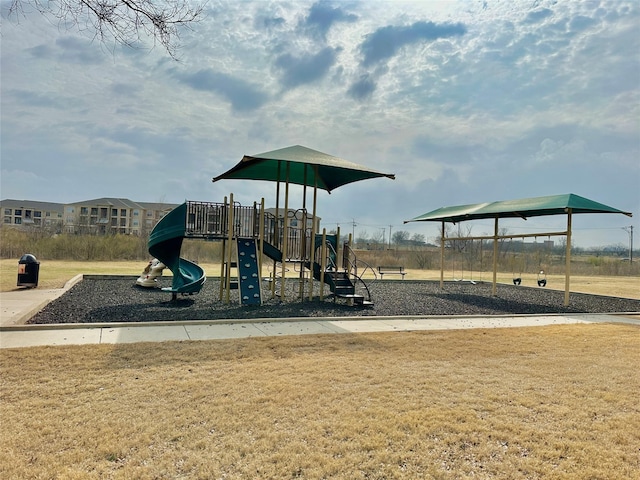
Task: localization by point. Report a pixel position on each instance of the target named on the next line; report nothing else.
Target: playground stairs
(342, 287)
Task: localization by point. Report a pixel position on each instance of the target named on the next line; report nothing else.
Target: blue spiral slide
(165, 243)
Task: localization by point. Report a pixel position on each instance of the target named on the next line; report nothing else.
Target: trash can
(28, 271)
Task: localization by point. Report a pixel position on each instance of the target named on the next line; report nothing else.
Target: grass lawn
(547, 402)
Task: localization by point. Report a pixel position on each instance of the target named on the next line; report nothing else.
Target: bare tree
(124, 21)
(418, 238)
(361, 239)
(400, 237)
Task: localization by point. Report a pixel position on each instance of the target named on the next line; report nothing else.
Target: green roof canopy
(523, 208)
(305, 167)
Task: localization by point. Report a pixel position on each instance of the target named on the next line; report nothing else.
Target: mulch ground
(118, 299)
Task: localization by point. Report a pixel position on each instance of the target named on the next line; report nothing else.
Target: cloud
(322, 15)
(298, 71)
(538, 15)
(269, 22)
(516, 99)
(40, 51)
(581, 22)
(36, 99)
(242, 95)
(77, 50)
(362, 88)
(385, 42)
(67, 49)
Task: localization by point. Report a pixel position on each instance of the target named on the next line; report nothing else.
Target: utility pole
(390, 236)
(629, 230)
(353, 229)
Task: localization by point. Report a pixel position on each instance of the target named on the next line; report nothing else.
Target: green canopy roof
(305, 167)
(522, 208)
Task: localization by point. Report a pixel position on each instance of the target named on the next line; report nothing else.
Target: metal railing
(351, 263)
(209, 220)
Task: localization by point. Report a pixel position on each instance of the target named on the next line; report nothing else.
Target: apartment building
(102, 216)
(31, 214)
(107, 216)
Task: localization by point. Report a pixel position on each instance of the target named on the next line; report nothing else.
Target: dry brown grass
(549, 402)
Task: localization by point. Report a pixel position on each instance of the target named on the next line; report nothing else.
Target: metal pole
(567, 268)
(303, 237)
(229, 248)
(285, 232)
(223, 264)
(495, 257)
(339, 253)
(261, 238)
(629, 230)
(323, 261)
(314, 232)
(276, 232)
(442, 256)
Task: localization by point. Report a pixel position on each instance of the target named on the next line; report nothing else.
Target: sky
(464, 101)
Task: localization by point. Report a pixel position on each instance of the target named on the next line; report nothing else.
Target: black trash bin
(28, 271)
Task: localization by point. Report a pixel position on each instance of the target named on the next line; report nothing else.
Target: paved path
(19, 305)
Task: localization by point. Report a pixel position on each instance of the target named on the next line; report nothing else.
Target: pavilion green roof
(521, 208)
(304, 166)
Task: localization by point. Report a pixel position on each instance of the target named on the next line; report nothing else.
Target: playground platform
(17, 306)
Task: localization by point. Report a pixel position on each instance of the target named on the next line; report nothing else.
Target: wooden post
(567, 268)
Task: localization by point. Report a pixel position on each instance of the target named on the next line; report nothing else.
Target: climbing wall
(248, 272)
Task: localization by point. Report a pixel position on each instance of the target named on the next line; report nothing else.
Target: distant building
(108, 216)
(102, 216)
(26, 214)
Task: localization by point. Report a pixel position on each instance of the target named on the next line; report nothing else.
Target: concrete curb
(622, 317)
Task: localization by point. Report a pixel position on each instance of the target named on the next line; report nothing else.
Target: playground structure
(251, 232)
(303, 166)
(251, 237)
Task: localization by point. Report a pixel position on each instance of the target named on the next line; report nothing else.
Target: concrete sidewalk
(78, 334)
(17, 306)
